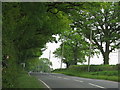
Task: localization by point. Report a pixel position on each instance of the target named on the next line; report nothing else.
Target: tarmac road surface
(53, 80)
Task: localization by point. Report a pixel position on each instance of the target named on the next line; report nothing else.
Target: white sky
(56, 61)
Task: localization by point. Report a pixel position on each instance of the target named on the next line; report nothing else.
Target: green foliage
(74, 47)
(103, 22)
(112, 74)
(27, 27)
(9, 64)
(39, 65)
(94, 68)
(108, 73)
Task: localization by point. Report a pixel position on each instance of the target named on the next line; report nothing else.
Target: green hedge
(106, 72)
(10, 70)
(95, 68)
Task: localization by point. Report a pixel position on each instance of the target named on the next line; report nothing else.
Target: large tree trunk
(75, 63)
(106, 53)
(67, 65)
(106, 58)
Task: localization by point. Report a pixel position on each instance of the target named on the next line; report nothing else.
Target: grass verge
(27, 81)
(104, 75)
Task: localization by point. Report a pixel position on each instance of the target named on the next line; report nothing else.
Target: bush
(94, 68)
(10, 70)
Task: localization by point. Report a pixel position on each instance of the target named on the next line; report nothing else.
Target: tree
(104, 23)
(69, 55)
(75, 48)
(39, 65)
(27, 27)
(29, 18)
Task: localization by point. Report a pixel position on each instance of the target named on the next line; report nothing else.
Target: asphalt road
(52, 80)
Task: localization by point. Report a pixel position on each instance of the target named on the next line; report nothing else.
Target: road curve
(53, 81)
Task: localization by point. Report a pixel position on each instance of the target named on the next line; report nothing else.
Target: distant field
(97, 73)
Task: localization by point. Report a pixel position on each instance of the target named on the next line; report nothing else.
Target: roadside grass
(27, 81)
(105, 75)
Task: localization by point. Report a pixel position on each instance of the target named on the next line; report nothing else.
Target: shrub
(94, 68)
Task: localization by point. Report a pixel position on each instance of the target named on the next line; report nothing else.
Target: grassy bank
(27, 81)
(105, 75)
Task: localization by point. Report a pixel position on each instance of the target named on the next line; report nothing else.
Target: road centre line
(45, 84)
(78, 80)
(66, 78)
(54, 76)
(59, 77)
(96, 85)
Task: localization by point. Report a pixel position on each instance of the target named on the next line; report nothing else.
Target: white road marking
(78, 80)
(59, 77)
(96, 85)
(66, 78)
(45, 84)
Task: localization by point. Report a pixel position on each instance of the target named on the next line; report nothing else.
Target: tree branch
(114, 47)
(99, 46)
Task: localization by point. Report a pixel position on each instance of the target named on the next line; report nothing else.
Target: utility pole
(49, 54)
(118, 56)
(49, 59)
(62, 49)
(90, 51)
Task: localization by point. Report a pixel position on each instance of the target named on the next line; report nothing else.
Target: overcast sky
(56, 61)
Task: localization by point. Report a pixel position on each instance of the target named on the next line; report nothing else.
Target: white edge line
(45, 84)
(96, 85)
